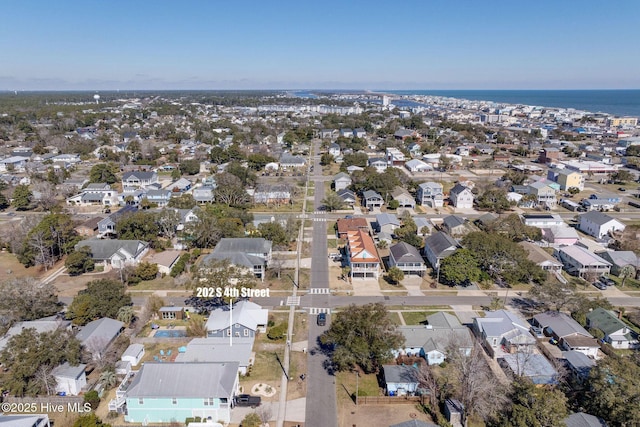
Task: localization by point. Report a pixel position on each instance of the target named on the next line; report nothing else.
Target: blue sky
(338, 44)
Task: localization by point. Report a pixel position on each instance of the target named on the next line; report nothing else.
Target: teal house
(170, 392)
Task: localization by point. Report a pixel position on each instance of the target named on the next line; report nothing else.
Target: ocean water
(624, 102)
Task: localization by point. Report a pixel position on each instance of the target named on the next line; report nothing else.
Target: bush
(277, 332)
(92, 398)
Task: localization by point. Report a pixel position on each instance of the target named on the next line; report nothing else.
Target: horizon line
(373, 91)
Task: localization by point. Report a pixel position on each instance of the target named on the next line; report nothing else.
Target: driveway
(366, 287)
(412, 284)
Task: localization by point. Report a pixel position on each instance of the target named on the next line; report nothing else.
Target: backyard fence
(390, 400)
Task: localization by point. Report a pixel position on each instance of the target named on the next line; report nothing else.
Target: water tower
(97, 98)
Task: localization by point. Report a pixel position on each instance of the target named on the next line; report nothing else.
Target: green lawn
(367, 383)
(416, 317)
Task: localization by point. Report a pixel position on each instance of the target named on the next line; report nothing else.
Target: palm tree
(108, 378)
(125, 314)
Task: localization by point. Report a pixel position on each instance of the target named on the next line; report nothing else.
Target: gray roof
(102, 249)
(505, 323)
(453, 221)
(92, 197)
(256, 245)
(236, 258)
(370, 194)
(579, 361)
(140, 175)
(67, 371)
(345, 193)
(441, 244)
(458, 188)
(444, 320)
(133, 350)
(217, 349)
(46, 324)
(23, 420)
(400, 374)
(596, 217)
(289, 159)
(387, 218)
(342, 175)
(580, 419)
(180, 380)
(620, 258)
(532, 365)
(101, 330)
(404, 252)
(245, 313)
(414, 423)
(561, 324)
(430, 339)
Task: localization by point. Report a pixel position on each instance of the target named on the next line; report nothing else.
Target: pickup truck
(248, 400)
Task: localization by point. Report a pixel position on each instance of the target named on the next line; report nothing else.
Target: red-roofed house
(362, 255)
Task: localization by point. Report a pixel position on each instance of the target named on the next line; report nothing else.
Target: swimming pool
(170, 333)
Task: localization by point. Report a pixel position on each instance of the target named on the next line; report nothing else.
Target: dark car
(600, 285)
(322, 319)
(247, 400)
(622, 189)
(607, 281)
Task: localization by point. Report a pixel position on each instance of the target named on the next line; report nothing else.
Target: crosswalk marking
(318, 310)
(319, 291)
(293, 300)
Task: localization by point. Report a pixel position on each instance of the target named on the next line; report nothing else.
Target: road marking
(319, 291)
(293, 301)
(318, 310)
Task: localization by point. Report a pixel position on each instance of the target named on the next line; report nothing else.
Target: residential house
(217, 349)
(14, 164)
(341, 181)
(334, 150)
(359, 133)
(179, 186)
(115, 253)
(616, 332)
(328, 133)
(165, 260)
(107, 226)
(503, 331)
(288, 161)
(361, 255)
(579, 364)
(456, 226)
(621, 261)
(454, 412)
(545, 195)
(560, 235)
(378, 163)
(463, 150)
(252, 253)
(414, 150)
(403, 134)
(353, 168)
(407, 258)
(346, 133)
(423, 226)
(533, 366)
(400, 380)
(567, 178)
(345, 225)
(569, 334)
(70, 380)
(172, 313)
(437, 247)
(18, 420)
(165, 392)
(430, 194)
(405, 200)
(138, 179)
(387, 223)
(45, 324)
(133, 354)
(245, 319)
(549, 155)
(372, 200)
(272, 194)
(348, 197)
(133, 198)
(461, 197)
(395, 157)
(599, 225)
(581, 262)
(601, 202)
(417, 166)
(540, 257)
(159, 197)
(543, 220)
(97, 336)
(580, 419)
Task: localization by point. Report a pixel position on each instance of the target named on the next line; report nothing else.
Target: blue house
(167, 392)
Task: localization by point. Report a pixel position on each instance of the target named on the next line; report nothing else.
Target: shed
(133, 354)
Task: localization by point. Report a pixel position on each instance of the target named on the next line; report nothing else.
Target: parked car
(600, 285)
(607, 281)
(622, 189)
(322, 319)
(248, 400)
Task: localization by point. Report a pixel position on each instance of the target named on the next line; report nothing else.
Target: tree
(184, 201)
(326, 159)
(395, 275)
(516, 177)
(28, 299)
(139, 226)
(251, 420)
(221, 274)
(102, 298)
(125, 314)
(622, 176)
(79, 261)
(361, 336)
(493, 199)
(108, 378)
(92, 398)
(461, 268)
(146, 271)
(29, 356)
(197, 327)
(534, 406)
(180, 266)
(332, 202)
(393, 204)
(4, 203)
(230, 190)
(22, 197)
(190, 167)
(274, 232)
(513, 227)
(613, 390)
(552, 297)
(90, 420)
(103, 172)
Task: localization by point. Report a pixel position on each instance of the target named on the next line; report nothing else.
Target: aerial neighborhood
(211, 260)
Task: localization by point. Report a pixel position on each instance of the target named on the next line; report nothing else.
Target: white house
(416, 166)
(598, 225)
(579, 261)
(341, 181)
(133, 354)
(461, 197)
(70, 379)
(380, 164)
(430, 193)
